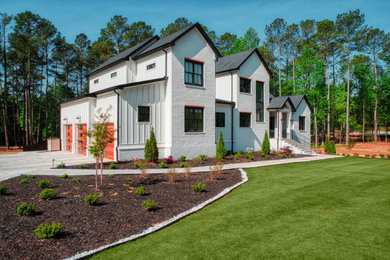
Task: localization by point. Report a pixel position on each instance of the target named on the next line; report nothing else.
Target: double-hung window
(219, 119)
(245, 85)
(143, 114)
(193, 72)
(259, 101)
(193, 121)
(302, 123)
(245, 119)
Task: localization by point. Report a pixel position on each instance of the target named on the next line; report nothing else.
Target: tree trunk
(40, 106)
(376, 101)
(46, 94)
(280, 80)
(347, 116)
(327, 81)
(101, 173)
(96, 176)
(364, 115)
(293, 58)
(5, 102)
(315, 123)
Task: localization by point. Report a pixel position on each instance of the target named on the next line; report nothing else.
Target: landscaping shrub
(3, 189)
(111, 176)
(26, 209)
(261, 153)
(182, 158)
(276, 153)
(332, 148)
(76, 180)
(48, 194)
(31, 176)
(388, 157)
(151, 150)
(113, 166)
(92, 199)
(61, 165)
(367, 155)
(382, 156)
(266, 146)
(283, 155)
(292, 154)
(267, 156)
(128, 179)
(83, 166)
(249, 156)
(373, 156)
(43, 184)
(140, 191)
(64, 176)
(162, 165)
(138, 163)
(215, 171)
(187, 169)
(327, 147)
(46, 230)
(149, 205)
(23, 181)
(237, 156)
(184, 164)
(286, 150)
(198, 187)
(221, 149)
(203, 157)
(171, 175)
(169, 159)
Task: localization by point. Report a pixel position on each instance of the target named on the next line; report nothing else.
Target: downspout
(117, 125)
(233, 105)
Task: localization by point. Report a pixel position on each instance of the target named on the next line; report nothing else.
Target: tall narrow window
(302, 123)
(193, 72)
(193, 119)
(220, 119)
(143, 114)
(245, 119)
(259, 101)
(245, 85)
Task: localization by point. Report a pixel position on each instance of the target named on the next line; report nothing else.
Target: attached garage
(109, 151)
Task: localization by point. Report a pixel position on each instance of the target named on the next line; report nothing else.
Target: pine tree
(266, 147)
(147, 151)
(327, 147)
(153, 146)
(221, 149)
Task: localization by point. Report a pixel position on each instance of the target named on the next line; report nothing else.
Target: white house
(182, 87)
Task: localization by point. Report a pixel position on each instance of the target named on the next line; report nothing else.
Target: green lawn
(338, 208)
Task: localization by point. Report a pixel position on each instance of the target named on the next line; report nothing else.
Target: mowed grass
(330, 209)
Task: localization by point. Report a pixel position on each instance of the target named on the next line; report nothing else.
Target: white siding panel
(158, 72)
(105, 80)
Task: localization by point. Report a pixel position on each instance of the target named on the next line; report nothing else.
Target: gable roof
(296, 100)
(172, 38)
(235, 61)
(279, 102)
(124, 55)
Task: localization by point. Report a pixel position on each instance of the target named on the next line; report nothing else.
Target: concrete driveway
(34, 162)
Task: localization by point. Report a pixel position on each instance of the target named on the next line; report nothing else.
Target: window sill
(246, 94)
(194, 133)
(260, 123)
(195, 87)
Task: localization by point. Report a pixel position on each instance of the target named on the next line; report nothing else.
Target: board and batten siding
(133, 132)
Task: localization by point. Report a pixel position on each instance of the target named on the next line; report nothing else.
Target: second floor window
(193, 72)
(245, 85)
(259, 101)
(113, 74)
(302, 123)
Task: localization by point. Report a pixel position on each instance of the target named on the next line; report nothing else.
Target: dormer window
(193, 72)
(96, 81)
(151, 66)
(113, 74)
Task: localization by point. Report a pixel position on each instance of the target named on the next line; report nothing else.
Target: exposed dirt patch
(118, 215)
(208, 162)
(363, 149)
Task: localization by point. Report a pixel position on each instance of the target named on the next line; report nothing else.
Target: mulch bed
(118, 215)
(208, 162)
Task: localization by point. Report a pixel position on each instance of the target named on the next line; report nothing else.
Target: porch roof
(280, 102)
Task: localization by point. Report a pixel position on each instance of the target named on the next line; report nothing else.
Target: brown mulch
(118, 215)
(208, 162)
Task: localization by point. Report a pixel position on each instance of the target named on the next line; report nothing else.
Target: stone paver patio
(39, 163)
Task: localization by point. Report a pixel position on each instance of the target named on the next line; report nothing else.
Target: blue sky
(72, 17)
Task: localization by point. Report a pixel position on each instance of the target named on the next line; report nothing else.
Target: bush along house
(182, 87)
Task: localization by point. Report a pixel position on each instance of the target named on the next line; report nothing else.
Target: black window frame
(260, 102)
(302, 123)
(114, 74)
(245, 85)
(245, 119)
(219, 119)
(143, 117)
(96, 81)
(192, 74)
(191, 125)
(151, 66)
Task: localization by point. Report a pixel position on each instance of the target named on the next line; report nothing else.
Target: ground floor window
(143, 114)
(245, 119)
(193, 119)
(220, 119)
(302, 123)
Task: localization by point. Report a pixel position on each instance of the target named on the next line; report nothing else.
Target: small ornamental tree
(221, 149)
(332, 148)
(151, 150)
(266, 147)
(99, 137)
(327, 146)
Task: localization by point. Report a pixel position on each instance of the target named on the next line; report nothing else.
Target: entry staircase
(299, 143)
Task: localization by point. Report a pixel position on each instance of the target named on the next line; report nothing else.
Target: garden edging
(165, 223)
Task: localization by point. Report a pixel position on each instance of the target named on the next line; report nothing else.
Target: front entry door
(284, 125)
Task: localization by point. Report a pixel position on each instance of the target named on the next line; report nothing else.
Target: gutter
(117, 125)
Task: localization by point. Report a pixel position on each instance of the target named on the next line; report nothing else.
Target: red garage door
(68, 138)
(109, 151)
(82, 139)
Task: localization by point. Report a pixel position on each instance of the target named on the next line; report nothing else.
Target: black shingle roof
(279, 102)
(124, 55)
(234, 61)
(172, 38)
